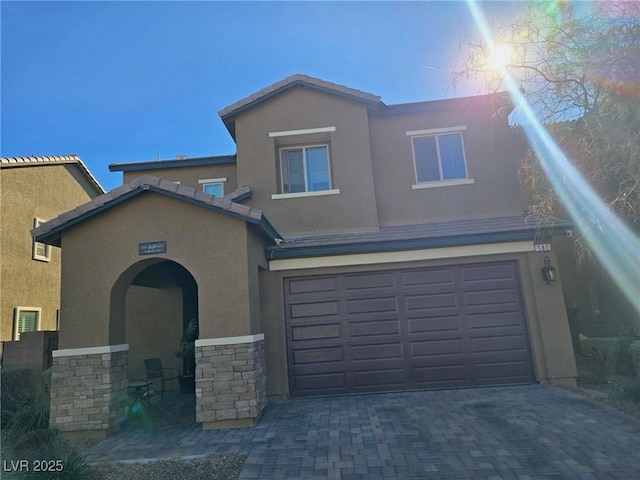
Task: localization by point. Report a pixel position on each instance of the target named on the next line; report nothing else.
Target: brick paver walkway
(518, 432)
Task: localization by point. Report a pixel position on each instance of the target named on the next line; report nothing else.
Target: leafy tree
(578, 66)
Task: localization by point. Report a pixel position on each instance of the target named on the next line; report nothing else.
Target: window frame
(16, 320)
(213, 181)
(34, 247)
(303, 148)
(436, 133)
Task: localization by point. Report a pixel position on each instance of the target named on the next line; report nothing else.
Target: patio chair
(154, 369)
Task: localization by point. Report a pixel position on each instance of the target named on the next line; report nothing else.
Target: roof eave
(381, 246)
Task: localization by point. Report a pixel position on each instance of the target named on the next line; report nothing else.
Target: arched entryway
(154, 309)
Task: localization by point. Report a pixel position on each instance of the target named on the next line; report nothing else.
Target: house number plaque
(152, 248)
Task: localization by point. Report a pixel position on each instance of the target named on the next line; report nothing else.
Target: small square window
(215, 189)
(41, 251)
(439, 157)
(25, 319)
(304, 169)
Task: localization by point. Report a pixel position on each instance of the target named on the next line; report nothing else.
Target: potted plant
(188, 354)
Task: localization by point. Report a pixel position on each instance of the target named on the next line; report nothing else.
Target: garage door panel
(312, 285)
(404, 329)
(430, 302)
(508, 372)
(498, 343)
(435, 276)
(372, 305)
(374, 328)
(436, 347)
(448, 375)
(318, 355)
(490, 297)
(446, 323)
(368, 281)
(315, 332)
(315, 309)
(321, 382)
(487, 272)
(389, 377)
(376, 351)
(509, 318)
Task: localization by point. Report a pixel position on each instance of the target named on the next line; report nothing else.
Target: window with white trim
(439, 157)
(25, 319)
(213, 186)
(40, 251)
(304, 169)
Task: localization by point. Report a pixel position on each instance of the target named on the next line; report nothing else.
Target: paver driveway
(516, 432)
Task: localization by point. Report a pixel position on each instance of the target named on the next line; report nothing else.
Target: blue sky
(133, 81)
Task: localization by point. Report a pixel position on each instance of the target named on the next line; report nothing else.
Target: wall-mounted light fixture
(548, 272)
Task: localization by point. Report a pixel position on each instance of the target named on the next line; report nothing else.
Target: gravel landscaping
(211, 467)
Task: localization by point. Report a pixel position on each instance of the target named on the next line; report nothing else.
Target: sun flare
(499, 57)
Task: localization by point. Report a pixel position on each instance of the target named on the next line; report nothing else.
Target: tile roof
(292, 81)
(35, 161)
(50, 232)
(427, 235)
(239, 194)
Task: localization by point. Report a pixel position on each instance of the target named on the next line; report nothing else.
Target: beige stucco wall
(97, 252)
(490, 163)
(548, 331)
(153, 328)
(26, 193)
(302, 108)
(189, 176)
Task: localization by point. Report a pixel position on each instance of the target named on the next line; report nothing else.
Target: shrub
(634, 352)
(16, 389)
(611, 353)
(631, 390)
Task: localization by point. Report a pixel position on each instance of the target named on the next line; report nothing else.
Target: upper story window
(438, 156)
(213, 186)
(304, 169)
(40, 251)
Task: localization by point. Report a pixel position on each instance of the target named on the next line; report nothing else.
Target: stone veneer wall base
(89, 391)
(230, 382)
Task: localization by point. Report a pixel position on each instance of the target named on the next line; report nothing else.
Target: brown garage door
(406, 329)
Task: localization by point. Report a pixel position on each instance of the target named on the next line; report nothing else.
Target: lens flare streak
(615, 245)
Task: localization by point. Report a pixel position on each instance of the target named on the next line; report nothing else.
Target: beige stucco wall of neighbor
(211, 246)
(190, 176)
(153, 313)
(26, 193)
(551, 350)
(490, 164)
(300, 108)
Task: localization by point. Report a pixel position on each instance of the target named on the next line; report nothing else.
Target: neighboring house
(34, 190)
(357, 247)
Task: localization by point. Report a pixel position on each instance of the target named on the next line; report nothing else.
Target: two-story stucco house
(34, 190)
(348, 246)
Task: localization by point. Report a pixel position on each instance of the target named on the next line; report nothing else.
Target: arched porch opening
(152, 304)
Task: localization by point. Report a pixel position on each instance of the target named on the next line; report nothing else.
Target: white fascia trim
(72, 352)
(279, 196)
(404, 256)
(443, 183)
(212, 342)
(306, 131)
(212, 180)
(433, 131)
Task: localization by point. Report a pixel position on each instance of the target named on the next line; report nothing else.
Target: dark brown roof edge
(291, 81)
(37, 160)
(50, 232)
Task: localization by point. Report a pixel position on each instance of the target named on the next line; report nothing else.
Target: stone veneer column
(89, 390)
(231, 385)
